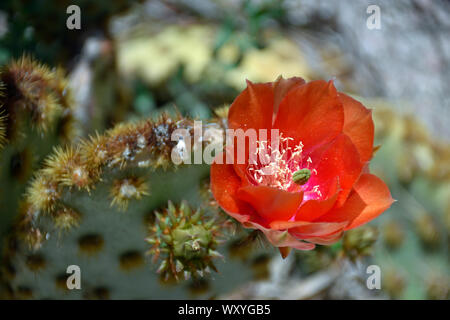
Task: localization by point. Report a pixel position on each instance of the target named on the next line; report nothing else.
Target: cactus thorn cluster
(185, 241)
(36, 93)
(125, 189)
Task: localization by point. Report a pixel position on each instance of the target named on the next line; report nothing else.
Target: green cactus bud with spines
(315, 260)
(359, 242)
(186, 242)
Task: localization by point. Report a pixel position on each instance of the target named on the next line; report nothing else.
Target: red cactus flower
(318, 184)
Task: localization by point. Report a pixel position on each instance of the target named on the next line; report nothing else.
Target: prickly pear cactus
(36, 114)
(74, 214)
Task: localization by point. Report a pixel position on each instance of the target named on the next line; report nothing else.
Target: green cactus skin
(78, 222)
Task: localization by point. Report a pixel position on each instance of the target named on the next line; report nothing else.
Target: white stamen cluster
(275, 165)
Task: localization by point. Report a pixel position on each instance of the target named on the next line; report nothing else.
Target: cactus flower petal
(319, 184)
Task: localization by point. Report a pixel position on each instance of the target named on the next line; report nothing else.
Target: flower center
(301, 176)
(284, 167)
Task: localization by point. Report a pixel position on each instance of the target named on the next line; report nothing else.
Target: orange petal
(280, 238)
(281, 87)
(369, 198)
(328, 239)
(341, 159)
(358, 125)
(365, 168)
(304, 229)
(313, 209)
(224, 186)
(239, 168)
(271, 203)
(311, 113)
(253, 108)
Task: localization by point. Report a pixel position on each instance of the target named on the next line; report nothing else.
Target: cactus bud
(359, 242)
(190, 241)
